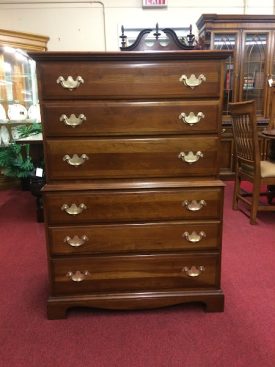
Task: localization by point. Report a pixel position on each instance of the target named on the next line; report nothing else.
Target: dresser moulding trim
(126, 184)
(213, 300)
(53, 56)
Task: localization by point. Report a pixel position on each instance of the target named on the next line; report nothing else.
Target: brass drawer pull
(190, 157)
(76, 241)
(70, 83)
(75, 160)
(194, 237)
(78, 276)
(191, 119)
(194, 205)
(193, 271)
(192, 81)
(73, 121)
(74, 209)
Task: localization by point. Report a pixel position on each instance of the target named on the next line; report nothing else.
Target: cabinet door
(253, 83)
(228, 41)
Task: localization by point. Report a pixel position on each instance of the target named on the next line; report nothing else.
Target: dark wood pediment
(172, 42)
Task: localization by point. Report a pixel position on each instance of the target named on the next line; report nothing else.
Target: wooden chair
(249, 166)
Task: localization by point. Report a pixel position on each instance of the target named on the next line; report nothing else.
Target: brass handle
(223, 131)
(70, 83)
(192, 81)
(73, 121)
(78, 276)
(193, 271)
(194, 237)
(76, 241)
(75, 160)
(194, 205)
(74, 209)
(191, 119)
(190, 157)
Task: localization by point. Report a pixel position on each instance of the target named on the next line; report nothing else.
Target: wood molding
(25, 41)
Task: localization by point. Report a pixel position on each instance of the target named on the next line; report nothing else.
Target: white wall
(94, 25)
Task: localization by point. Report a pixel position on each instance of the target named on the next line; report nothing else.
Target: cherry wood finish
(135, 273)
(130, 117)
(131, 79)
(134, 226)
(122, 158)
(135, 237)
(139, 205)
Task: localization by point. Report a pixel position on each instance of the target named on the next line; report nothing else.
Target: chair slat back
(245, 132)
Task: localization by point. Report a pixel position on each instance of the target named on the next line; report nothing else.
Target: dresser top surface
(131, 55)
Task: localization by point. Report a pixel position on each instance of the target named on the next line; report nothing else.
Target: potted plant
(15, 159)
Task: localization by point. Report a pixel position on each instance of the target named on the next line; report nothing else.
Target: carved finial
(123, 37)
(190, 37)
(157, 34)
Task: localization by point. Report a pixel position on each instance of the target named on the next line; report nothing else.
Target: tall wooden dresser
(133, 205)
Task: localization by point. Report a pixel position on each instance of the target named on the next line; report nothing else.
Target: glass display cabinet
(19, 105)
(249, 73)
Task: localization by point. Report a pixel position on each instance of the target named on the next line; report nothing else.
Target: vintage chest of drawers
(133, 205)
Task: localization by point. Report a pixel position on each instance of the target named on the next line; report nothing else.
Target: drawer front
(134, 237)
(133, 206)
(124, 158)
(134, 273)
(94, 118)
(130, 79)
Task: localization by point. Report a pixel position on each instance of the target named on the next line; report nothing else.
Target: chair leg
(236, 192)
(254, 203)
(270, 193)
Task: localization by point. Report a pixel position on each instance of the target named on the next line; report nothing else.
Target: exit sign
(154, 3)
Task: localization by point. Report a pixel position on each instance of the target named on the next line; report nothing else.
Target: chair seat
(267, 169)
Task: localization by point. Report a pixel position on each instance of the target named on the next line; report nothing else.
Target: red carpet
(242, 336)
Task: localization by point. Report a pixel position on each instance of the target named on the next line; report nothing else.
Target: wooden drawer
(143, 237)
(134, 273)
(133, 205)
(125, 158)
(93, 118)
(129, 79)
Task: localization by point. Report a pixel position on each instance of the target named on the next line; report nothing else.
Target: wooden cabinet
(247, 73)
(133, 202)
(18, 87)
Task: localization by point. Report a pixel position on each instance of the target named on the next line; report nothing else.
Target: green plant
(15, 160)
(28, 130)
